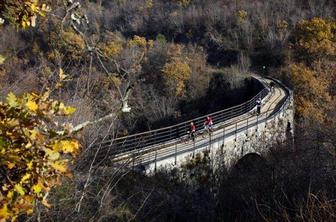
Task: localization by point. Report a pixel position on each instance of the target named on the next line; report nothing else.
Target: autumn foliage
(317, 37)
(312, 72)
(35, 151)
(312, 92)
(23, 13)
(177, 70)
(183, 2)
(162, 79)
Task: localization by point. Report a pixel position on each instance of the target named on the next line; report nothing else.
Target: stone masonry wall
(257, 139)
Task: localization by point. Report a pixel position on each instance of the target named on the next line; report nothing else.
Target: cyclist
(192, 130)
(208, 124)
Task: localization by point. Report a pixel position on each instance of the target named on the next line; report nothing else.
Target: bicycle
(189, 136)
(208, 130)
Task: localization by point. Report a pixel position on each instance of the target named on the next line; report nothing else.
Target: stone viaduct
(237, 131)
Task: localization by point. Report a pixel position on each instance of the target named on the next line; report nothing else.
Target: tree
(312, 97)
(177, 70)
(22, 13)
(312, 73)
(35, 151)
(184, 3)
(316, 38)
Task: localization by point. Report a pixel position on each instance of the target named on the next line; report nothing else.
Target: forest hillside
(76, 72)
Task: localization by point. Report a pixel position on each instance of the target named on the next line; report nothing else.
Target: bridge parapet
(170, 135)
(274, 129)
(238, 131)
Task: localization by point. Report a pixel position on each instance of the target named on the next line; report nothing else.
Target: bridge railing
(224, 130)
(286, 101)
(167, 135)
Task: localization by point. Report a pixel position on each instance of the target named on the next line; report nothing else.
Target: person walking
(272, 87)
(192, 131)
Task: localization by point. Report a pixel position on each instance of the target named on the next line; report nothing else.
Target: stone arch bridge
(237, 131)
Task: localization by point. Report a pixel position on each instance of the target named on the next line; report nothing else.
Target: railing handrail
(289, 95)
(137, 145)
(268, 116)
(194, 119)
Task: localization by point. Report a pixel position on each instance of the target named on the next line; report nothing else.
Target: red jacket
(193, 128)
(208, 121)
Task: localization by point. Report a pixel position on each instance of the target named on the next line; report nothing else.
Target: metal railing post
(175, 153)
(170, 133)
(210, 142)
(236, 132)
(247, 124)
(140, 158)
(193, 148)
(155, 160)
(223, 140)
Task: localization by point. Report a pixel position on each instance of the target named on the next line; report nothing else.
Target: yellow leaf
(10, 195)
(57, 146)
(10, 165)
(45, 203)
(37, 188)
(33, 134)
(61, 106)
(30, 211)
(25, 177)
(30, 165)
(54, 106)
(58, 85)
(62, 76)
(4, 187)
(32, 106)
(4, 213)
(45, 8)
(12, 100)
(68, 110)
(70, 147)
(52, 155)
(2, 59)
(60, 166)
(46, 94)
(12, 123)
(19, 189)
(66, 146)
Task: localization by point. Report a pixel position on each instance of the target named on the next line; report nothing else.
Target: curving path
(169, 152)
